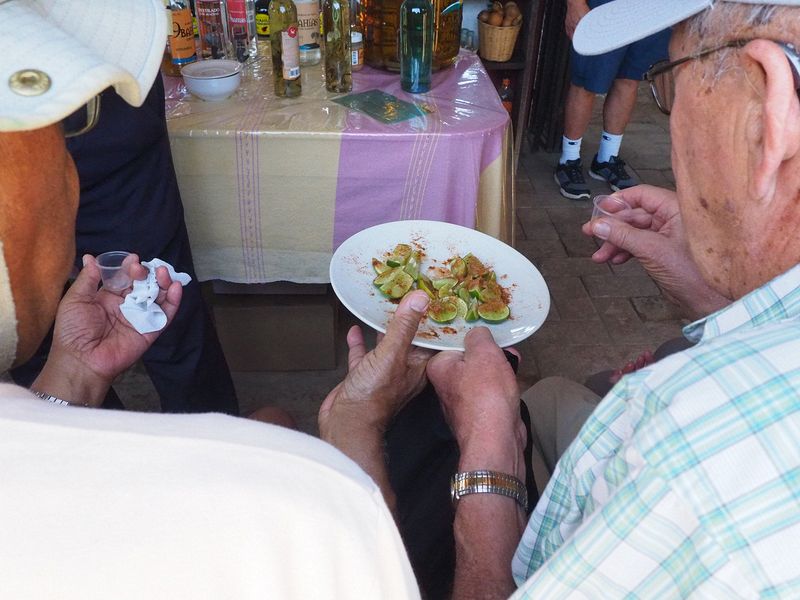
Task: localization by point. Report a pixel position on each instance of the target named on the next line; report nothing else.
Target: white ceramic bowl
(213, 79)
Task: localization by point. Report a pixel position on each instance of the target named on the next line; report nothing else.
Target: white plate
(352, 274)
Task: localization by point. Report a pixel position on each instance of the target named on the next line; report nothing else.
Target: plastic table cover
(271, 186)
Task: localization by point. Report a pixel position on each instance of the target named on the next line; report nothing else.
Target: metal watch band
(49, 398)
(488, 482)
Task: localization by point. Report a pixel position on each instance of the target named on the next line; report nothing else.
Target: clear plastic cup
(115, 270)
(611, 207)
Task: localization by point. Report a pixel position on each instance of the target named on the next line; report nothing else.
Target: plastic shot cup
(610, 207)
(115, 270)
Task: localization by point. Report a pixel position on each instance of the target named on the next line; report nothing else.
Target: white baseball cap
(622, 22)
(55, 55)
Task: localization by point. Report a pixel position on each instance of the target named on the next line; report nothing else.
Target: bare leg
(618, 106)
(577, 111)
(273, 415)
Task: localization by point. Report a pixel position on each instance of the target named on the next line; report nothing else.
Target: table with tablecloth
(271, 186)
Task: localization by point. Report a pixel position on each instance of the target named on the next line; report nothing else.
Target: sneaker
(571, 183)
(613, 172)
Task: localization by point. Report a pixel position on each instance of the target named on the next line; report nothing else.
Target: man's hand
(356, 414)
(655, 236)
(92, 341)
(480, 397)
(576, 10)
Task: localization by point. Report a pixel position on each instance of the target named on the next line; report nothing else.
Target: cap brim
(623, 22)
(83, 46)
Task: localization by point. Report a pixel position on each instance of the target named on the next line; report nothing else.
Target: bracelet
(49, 398)
(488, 482)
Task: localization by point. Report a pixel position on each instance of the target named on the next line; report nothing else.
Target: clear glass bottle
(308, 21)
(262, 18)
(371, 25)
(338, 60)
(285, 45)
(250, 5)
(416, 45)
(212, 25)
(241, 32)
(180, 41)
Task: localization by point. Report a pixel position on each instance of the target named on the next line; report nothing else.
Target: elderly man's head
(57, 56)
(735, 126)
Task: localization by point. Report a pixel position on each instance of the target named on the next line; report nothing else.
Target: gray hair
(726, 21)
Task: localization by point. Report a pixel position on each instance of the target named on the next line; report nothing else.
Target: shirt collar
(776, 300)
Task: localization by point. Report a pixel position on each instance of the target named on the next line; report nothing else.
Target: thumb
(405, 322)
(88, 279)
(623, 236)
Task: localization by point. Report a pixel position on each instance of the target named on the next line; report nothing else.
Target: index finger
(649, 197)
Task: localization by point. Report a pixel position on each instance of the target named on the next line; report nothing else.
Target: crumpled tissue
(139, 306)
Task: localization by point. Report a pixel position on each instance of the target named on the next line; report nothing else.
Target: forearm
(488, 528)
(365, 446)
(63, 378)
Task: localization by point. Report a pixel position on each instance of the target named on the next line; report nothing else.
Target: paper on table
(139, 306)
(381, 106)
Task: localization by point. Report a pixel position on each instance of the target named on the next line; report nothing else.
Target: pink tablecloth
(272, 186)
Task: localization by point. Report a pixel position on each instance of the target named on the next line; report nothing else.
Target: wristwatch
(488, 482)
(49, 398)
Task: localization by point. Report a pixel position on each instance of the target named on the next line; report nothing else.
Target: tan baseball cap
(623, 22)
(58, 54)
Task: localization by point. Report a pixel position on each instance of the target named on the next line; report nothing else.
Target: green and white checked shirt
(685, 481)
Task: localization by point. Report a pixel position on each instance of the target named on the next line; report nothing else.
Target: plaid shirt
(686, 478)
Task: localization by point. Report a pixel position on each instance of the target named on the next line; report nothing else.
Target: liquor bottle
(241, 32)
(447, 28)
(285, 46)
(416, 45)
(194, 18)
(308, 21)
(338, 60)
(212, 24)
(251, 27)
(180, 40)
(506, 95)
(262, 18)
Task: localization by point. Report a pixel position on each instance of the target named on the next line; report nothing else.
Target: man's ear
(779, 119)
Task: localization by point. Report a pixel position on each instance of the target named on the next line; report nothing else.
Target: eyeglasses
(82, 120)
(662, 81)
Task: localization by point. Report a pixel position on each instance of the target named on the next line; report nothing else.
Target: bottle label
(262, 24)
(357, 57)
(308, 23)
(290, 53)
(213, 36)
(181, 37)
(237, 13)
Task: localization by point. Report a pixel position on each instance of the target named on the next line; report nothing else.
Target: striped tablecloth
(272, 186)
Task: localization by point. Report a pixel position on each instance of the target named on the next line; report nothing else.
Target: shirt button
(29, 82)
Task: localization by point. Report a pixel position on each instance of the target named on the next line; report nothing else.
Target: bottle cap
(356, 37)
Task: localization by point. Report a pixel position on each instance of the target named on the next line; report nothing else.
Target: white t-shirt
(107, 504)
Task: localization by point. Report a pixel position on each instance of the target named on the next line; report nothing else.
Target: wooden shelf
(516, 63)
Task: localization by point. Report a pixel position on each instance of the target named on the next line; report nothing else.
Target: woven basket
(497, 43)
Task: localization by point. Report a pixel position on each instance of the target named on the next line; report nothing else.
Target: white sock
(570, 149)
(609, 146)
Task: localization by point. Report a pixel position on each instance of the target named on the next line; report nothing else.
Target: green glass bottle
(338, 61)
(416, 45)
(285, 45)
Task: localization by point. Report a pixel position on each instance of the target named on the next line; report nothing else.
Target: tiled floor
(601, 316)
